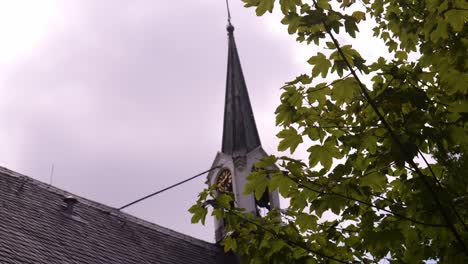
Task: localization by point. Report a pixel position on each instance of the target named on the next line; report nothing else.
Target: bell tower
(241, 147)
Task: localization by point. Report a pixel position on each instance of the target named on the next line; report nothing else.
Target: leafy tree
(389, 136)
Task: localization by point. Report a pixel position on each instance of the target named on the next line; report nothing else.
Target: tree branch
(286, 238)
(365, 203)
(395, 138)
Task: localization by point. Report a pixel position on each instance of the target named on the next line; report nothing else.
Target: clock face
(224, 182)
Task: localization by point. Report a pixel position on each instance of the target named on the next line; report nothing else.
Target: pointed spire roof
(240, 134)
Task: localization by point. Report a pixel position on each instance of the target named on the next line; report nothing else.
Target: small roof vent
(70, 201)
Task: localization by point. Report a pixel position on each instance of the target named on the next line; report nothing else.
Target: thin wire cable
(228, 12)
(168, 188)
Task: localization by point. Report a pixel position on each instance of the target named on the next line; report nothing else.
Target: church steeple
(241, 147)
(240, 134)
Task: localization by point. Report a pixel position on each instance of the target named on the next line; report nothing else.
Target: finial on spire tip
(230, 28)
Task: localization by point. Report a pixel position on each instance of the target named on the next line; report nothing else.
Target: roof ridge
(110, 210)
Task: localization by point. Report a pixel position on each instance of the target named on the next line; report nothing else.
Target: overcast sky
(126, 97)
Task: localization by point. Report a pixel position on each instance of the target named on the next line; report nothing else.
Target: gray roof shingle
(35, 229)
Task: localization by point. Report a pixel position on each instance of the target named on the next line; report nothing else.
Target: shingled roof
(34, 228)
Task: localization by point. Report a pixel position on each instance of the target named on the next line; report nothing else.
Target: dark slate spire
(240, 134)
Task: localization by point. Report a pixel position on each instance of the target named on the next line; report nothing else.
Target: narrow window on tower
(262, 205)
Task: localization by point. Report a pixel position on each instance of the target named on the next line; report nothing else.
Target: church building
(41, 224)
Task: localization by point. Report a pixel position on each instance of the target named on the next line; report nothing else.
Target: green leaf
(330, 45)
(300, 253)
(229, 244)
(224, 200)
(284, 115)
(255, 179)
(321, 65)
(458, 135)
(459, 107)
(401, 55)
(324, 4)
(260, 189)
(290, 139)
(318, 93)
(276, 246)
(351, 27)
(292, 20)
(323, 154)
(376, 180)
(359, 15)
(369, 142)
(267, 162)
(287, 6)
(345, 91)
(303, 78)
(264, 5)
(306, 222)
(440, 31)
(282, 183)
(198, 213)
(250, 3)
(456, 19)
(351, 56)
